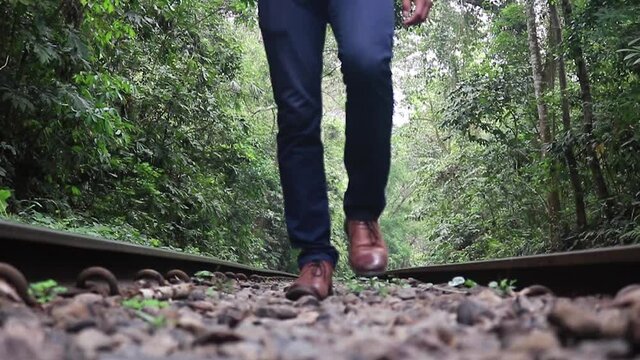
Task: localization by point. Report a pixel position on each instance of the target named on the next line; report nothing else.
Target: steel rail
(42, 253)
(595, 271)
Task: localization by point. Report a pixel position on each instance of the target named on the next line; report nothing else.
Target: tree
(588, 117)
(553, 198)
(567, 143)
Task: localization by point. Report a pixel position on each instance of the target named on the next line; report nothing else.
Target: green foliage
(136, 303)
(156, 321)
(134, 117)
(45, 291)
(632, 56)
(153, 122)
(504, 286)
(469, 179)
(5, 194)
(461, 281)
(145, 309)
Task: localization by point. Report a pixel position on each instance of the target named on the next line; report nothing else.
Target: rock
(535, 290)
(379, 316)
(230, 316)
(245, 323)
(613, 323)
(403, 319)
(581, 322)
(88, 298)
(218, 336)
(523, 305)
(77, 326)
(366, 346)
(476, 340)
(299, 349)
(425, 286)
(470, 312)
(634, 326)
(160, 345)
(605, 348)
(72, 311)
(21, 340)
(305, 318)
(573, 320)
(535, 342)
(90, 341)
(197, 295)
(191, 322)
(308, 300)
(243, 350)
(202, 305)
(406, 293)
(489, 297)
(136, 333)
(350, 298)
(628, 296)
(281, 312)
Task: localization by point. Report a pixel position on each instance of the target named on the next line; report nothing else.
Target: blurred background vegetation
(152, 121)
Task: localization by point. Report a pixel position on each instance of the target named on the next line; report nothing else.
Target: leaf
(4, 196)
(75, 191)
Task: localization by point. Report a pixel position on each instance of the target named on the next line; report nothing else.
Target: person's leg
(364, 32)
(294, 35)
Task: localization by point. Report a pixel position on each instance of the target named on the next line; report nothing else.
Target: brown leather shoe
(368, 254)
(314, 280)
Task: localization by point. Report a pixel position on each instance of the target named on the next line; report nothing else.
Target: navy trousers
(294, 35)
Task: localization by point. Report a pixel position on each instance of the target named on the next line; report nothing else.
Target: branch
(272, 107)
(5, 63)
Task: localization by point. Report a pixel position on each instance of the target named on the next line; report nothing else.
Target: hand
(423, 7)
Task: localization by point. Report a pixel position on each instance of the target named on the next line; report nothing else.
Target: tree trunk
(572, 165)
(553, 198)
(587, 108)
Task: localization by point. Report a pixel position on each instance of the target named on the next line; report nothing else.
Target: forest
(516, 130)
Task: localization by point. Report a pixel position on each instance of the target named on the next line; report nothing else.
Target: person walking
(294, 33)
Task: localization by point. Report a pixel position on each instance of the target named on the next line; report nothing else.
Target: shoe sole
(297, 293)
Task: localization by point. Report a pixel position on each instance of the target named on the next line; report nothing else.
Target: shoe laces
(316, 268)
(373, 231)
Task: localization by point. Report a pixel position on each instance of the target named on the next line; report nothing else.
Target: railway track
(239, 312)
(42, 253)
(596, 271)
